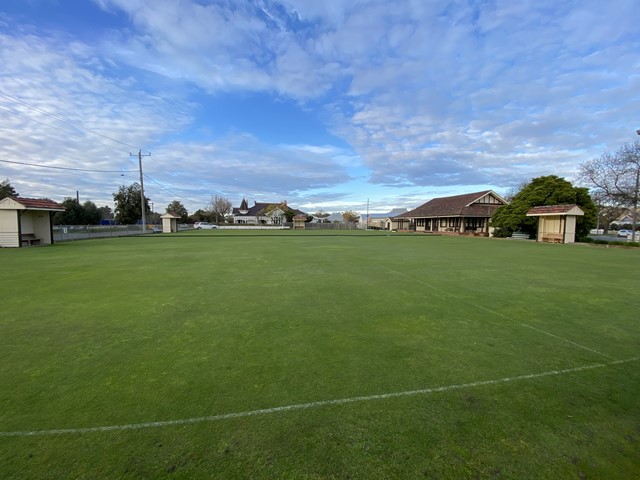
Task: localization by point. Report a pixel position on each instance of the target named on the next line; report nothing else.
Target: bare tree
(220, 207)
(514, 190)
(608, 210)
(350, 216)
(616, 177)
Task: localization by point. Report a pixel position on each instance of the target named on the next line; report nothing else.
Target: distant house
(625, 218)
(27, 221)
(262, 214)
(380, 221)
(462, 214)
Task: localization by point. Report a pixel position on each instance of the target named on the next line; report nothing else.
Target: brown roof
(456, 206)
(552, 209)
(257, 208)
(39, 203)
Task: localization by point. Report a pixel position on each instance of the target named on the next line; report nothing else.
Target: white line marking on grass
(565, 340)
(499, 314)
(303, 406)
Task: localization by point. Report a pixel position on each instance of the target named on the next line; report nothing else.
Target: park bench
(520, 236)
(29, 239)
(552, 237)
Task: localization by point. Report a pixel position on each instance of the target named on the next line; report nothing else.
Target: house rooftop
(458, 205)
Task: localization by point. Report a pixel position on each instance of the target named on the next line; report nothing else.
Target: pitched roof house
(468, 213)
(257, 215)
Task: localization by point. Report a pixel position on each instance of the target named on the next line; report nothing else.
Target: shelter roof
(546, 210)
(19, 203)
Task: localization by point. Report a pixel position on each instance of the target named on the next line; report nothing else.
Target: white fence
(63, 233)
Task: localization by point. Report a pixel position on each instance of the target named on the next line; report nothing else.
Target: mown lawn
(511, 359)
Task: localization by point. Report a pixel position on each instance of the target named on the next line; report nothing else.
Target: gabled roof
(457, 206)
(396, 212)
(255, 210)
(544, 210)
(19, 203)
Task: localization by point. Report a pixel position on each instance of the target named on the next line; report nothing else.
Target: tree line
(613, 178)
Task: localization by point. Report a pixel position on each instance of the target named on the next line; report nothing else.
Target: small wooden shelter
(169, 222)
(557, 223)
(27, 221)
(299, 221)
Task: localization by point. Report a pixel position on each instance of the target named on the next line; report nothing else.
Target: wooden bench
(29, 239)
(553, 237)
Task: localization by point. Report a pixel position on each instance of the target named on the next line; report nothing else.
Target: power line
(68, 168)
(73, 124)
(158, 160)
(169, 190)
(86, 130)
(53, 126)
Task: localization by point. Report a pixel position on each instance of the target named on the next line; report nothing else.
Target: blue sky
(324, 104)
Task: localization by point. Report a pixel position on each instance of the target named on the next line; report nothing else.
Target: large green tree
(92, 215)
(177, 208)
(6, 190)
(200, 215)
(549, 190)
(76, 214)
(128, 204)
(105, 213)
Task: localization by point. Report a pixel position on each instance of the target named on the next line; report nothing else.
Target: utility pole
(634, 234)
(144, 215)
(368, 219)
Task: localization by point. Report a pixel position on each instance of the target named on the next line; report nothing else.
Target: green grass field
(392, 356)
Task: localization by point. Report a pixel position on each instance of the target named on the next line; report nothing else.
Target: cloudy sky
(323, 103)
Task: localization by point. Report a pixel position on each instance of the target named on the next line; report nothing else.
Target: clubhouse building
(460, 214)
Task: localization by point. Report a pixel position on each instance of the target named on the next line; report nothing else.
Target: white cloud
(241, 165)
(62, 112)
(423, 94)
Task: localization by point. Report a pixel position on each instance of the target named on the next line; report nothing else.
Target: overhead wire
(69, 122)
(68, 168)
(167, 189)
(75, 133)
(52, 126)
